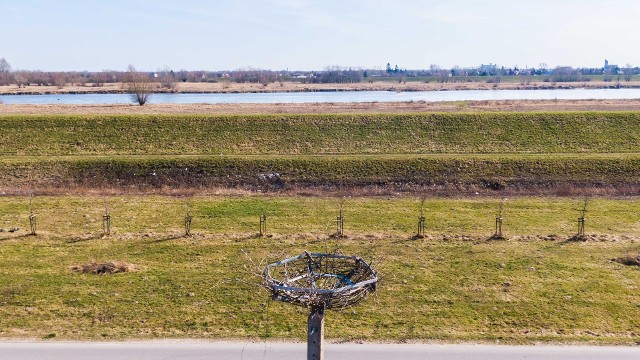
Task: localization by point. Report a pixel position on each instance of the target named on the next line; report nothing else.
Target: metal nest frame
(320, 281)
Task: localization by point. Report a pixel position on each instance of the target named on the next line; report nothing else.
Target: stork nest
(320, 281)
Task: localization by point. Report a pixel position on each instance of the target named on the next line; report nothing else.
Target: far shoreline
(293, 87)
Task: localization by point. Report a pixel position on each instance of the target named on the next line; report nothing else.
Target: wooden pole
(187, 220)
(421, 221)
(340, 224)
(106, 220)
(498, 232)
(315, 334)
(581, 219)
(32, 224)
(187, 225)
(581, 226)
(263, 225)
(32, 217)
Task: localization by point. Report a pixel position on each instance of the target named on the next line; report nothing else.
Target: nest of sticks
(320, 281)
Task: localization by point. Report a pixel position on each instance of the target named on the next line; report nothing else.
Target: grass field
(496, 133)
(452, 286)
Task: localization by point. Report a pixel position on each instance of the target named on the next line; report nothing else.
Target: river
(329, 97)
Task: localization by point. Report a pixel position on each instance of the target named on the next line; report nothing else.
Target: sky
(95, 35)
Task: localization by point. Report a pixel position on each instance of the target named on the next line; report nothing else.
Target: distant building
(487, 69)
(609, 67)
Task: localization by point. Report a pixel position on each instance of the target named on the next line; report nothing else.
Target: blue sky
(312, 34)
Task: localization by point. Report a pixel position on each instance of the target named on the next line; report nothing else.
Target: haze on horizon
(313, 34)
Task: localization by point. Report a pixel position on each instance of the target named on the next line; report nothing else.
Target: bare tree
(5, 72)
(628, 73)
(442, 75)
(524, 78)
(37, 77)
(567, 74)
(58, 79)
(167, 78)
(138, 85)
(4, 65)
(21, 78)
(99, 79)
(78, 78)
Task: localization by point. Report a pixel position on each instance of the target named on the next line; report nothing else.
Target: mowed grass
(454, 285)
(577, 132)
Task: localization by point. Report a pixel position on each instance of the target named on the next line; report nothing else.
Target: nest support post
(319, 282)
(315, 334)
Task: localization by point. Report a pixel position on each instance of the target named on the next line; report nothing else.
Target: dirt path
(315, 108)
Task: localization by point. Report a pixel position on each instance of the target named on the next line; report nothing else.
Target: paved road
(288, 351)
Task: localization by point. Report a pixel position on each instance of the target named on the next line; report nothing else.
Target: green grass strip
(569, 132)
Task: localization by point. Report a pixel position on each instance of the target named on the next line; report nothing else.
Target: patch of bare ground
(226, 238)
(321, 108)
(628, 260)
(539, 237)
(444, 190)
(103, 268)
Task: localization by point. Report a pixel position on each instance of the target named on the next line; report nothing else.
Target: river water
(329, 97)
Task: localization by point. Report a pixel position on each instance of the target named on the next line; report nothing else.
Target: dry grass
(326, 108)
(103, 268)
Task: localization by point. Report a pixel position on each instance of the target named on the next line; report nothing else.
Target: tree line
(168, 78)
